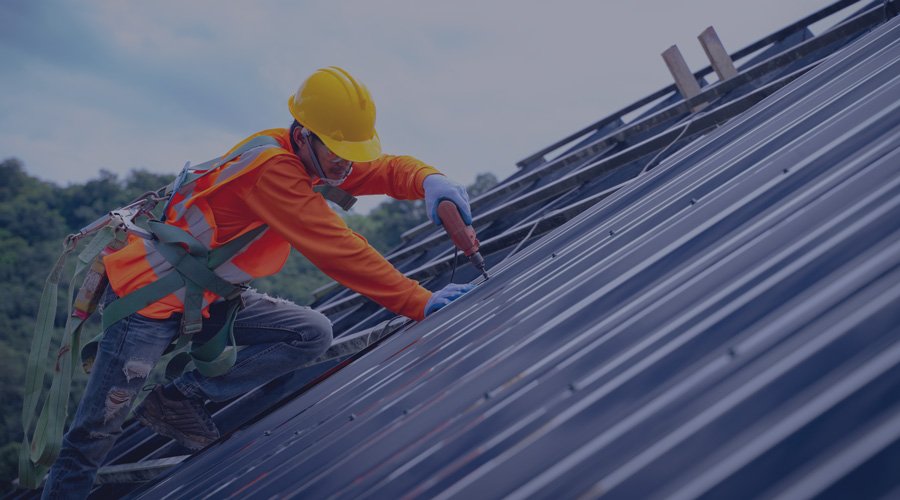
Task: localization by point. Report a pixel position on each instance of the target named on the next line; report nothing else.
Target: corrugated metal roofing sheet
(725, 324)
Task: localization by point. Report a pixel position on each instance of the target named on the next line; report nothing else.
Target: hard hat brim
(361, 151)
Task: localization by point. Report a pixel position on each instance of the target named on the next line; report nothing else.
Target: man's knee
(317, 329)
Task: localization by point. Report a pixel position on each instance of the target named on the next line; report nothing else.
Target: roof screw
(612, 232)
(731, 352)
(572, 387)
(693, 201)
(296, 433)
(406, 411)
(553, 255)
(786, 170)
(267, 433)
(352, 416)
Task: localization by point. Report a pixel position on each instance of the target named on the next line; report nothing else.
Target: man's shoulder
(267, 154)
(282, 168)
(270, 137)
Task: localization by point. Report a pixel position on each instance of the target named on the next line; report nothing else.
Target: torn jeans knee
(137, 368)
(118, 399)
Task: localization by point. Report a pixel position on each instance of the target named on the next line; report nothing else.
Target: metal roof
(681, 304)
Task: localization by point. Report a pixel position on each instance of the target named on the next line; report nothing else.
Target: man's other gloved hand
(438, 188)
(445, 296)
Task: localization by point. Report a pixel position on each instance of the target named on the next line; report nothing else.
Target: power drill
(463, 236)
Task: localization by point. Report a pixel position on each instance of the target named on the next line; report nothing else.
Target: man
(264, 195)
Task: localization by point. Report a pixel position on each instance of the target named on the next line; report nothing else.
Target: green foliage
(386, 223)
(483, 183)
(36, 215)
(296, 281)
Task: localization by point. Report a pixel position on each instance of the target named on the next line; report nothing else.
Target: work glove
(439, 188)
(445, 296)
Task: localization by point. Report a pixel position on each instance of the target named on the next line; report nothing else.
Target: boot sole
(170, 432)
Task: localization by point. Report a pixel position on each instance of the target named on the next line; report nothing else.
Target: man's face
(335, 167)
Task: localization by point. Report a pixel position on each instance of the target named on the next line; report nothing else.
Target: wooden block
(718, 56)
(684, 79)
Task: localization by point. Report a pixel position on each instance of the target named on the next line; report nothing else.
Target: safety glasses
(333, 160)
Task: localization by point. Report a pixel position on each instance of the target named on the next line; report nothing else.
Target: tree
(483, 183)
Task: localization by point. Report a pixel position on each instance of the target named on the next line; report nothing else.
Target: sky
(467, 86)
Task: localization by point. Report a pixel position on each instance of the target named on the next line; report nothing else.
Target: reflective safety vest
(141, 261)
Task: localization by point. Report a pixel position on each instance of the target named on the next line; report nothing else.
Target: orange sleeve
(283, 198)
(399, 177)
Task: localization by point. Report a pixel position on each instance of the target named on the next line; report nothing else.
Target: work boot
(184, 420)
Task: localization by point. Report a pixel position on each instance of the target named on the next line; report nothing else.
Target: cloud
(467, 86)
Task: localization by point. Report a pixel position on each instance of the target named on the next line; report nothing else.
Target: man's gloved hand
(438, 188)
(445, 296)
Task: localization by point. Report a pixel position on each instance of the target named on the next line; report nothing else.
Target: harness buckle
(190, 327)
(237, 294)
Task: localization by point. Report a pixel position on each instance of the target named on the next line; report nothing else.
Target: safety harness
(194, 268)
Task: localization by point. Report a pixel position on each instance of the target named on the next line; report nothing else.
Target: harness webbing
(40, 451)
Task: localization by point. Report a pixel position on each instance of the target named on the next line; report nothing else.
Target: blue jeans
(279, 336)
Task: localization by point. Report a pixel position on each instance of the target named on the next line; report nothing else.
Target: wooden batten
(718, 56)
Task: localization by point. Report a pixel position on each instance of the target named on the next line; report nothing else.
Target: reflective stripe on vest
(227, 271)
(214, 179)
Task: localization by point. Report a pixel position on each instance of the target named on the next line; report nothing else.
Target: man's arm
(399, 177)
(282, 197)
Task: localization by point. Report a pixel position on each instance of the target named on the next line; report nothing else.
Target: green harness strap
(336, 195)
(40, 451)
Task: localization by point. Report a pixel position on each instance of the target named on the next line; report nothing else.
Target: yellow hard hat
(339, 110)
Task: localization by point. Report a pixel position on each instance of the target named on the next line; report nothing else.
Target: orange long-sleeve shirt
(279, 193)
